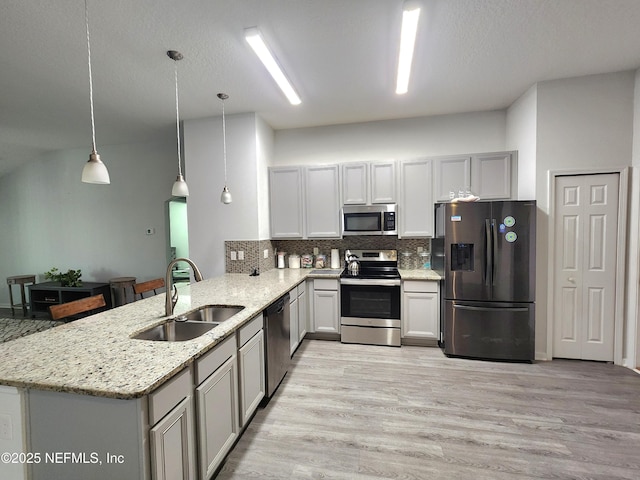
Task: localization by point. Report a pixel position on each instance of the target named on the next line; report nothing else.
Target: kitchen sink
(175, 331)
(210, 313)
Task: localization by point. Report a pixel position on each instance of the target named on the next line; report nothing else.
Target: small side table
(121, 284)
(21, 280)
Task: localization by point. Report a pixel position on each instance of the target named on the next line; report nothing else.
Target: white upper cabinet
(415, 203)
(491, 176)
(286, 202)
(322, 195)
(355, 183)
(368, 183)
(451, 175)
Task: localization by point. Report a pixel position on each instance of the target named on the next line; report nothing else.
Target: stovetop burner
(374, 264)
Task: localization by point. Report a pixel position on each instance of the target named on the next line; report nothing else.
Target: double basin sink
(189, 325)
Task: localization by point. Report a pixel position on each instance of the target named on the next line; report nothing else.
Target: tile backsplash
(254, 250)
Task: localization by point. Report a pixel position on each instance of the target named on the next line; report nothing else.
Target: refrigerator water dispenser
(462, 257)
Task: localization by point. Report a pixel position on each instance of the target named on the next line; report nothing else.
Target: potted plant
(69, 279)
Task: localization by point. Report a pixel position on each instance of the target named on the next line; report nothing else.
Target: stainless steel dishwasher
(276, 329)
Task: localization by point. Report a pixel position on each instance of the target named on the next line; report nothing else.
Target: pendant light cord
(93, 128)
(178, 121)
(224, 144)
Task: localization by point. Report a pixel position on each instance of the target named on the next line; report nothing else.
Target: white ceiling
(340, 54)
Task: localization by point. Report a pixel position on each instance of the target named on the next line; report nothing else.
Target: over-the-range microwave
(369, 219)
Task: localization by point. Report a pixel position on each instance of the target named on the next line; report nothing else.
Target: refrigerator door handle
(494, 248)
(496, 309)
(488, 253)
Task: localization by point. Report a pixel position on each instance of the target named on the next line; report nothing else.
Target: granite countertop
(96, 356)
(419, 274)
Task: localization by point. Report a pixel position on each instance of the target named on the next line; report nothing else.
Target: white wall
(392, 139)
(211, 222)
(265, 138)
(522, 120)
(583, 123)
(50, 218)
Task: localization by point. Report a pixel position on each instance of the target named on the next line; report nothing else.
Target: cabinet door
(252, 380)
(491, 176)
(451, 174)
(415, 206)
(322, 201)
(420, 315)
(354, 184)
(217, 404)
(325, 311)
(286, 205)
(383, 182)
(303, 314)
(293, 325)
(172, 446)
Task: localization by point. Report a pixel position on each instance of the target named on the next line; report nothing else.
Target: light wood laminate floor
(366, 412)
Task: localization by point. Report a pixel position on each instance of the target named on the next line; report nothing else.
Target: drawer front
(420, 286)
(211, 361)
(249, 330)
(293, 294)
(325, 284)
(302, 288)
(165, 398)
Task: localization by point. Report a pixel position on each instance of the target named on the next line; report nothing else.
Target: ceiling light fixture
(410, 16)
(268, 60)
(94, 170)
(226, 194)
(180, 188)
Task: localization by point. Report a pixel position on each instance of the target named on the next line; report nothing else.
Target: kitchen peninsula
(91, 390)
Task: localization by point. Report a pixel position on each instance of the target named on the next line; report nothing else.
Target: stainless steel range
(370, 298)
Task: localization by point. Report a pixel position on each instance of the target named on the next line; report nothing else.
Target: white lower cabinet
(326, 306)
(171, 444)
(303, 311)
(251, 368)
(294, 326)
(420, 312)
(216, 405)
(171, 434)
(298, 311)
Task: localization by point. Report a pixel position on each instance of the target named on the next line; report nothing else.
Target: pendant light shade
(226, 194)
(94, 170)
(180, 188)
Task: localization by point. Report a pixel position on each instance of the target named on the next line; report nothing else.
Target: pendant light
(226, 194)
(94, 170)
(180, 188)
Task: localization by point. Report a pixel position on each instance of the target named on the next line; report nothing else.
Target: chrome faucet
(172, 298)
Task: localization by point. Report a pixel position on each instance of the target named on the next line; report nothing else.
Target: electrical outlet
(266, 253)
(240, 254)
(234, 255)
(6, 429)
(420, 249)
(316, 250)
(150, 231)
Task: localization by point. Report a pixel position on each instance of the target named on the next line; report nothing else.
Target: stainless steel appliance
(370, 299)
(486, 253)
(276, 330)
(369, 220)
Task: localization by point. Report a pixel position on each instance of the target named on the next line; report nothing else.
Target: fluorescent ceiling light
(257, 43)
(410, 16)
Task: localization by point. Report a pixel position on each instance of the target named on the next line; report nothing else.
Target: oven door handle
(373, 282)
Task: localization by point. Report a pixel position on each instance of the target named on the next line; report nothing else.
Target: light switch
(266, 253)
(240, 254)
(234, 255)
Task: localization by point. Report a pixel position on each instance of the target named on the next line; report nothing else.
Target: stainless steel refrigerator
(486, 253)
